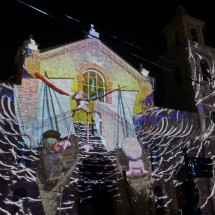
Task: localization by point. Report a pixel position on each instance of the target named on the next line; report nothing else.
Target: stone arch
(102, 71)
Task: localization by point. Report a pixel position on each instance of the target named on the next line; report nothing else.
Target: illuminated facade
(69, 144)
(119, 153)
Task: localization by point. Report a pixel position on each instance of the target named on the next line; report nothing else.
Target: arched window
(94, 85)
(194, 35)
(205, 70)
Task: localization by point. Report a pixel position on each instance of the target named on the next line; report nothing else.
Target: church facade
(70, 122)
(81, 134)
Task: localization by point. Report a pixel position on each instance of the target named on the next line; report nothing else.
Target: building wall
(35, 111)
(164, 134)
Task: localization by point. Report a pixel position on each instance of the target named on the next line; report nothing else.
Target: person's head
(53, 144)
(56, 147)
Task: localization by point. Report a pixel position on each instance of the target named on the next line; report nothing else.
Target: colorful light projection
(40, 175)
(164, 133)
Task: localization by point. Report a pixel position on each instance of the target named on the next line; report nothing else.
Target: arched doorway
(94, 186)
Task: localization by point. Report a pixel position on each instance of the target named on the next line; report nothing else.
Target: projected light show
(69, 144)
(82, 131)
(81, 135)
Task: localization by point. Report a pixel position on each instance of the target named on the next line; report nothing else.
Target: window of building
(205, 70)
(194, 35)
(94, 85)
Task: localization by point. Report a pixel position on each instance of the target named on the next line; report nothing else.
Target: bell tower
(177, 78)
(183, 28)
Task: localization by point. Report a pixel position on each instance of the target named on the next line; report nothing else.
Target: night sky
(132, 29)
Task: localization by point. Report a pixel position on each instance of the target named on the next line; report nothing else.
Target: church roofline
(73, 46)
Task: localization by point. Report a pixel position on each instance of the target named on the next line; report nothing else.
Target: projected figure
(52, 160)
(98, 122)
(57, 161)
(81, 103)
(58, 158)
(133, 152)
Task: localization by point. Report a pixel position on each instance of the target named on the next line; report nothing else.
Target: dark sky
(131, 28)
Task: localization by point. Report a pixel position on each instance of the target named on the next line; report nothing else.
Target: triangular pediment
(86, 46)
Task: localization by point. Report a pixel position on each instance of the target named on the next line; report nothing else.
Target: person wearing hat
(52, 160)
(54, 168)
(53, 145)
